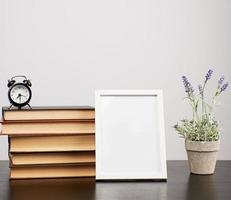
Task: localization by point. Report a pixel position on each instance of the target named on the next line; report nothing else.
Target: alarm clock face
(19, 94)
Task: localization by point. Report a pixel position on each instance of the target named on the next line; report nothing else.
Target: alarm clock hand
(19, 96)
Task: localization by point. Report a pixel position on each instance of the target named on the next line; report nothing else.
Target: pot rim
(201, 141)
(202, 146)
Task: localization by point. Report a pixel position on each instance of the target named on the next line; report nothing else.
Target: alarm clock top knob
(10, 83)
(27, 82)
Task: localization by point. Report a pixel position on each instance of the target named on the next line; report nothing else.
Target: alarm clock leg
(29, 106)
(10, 106)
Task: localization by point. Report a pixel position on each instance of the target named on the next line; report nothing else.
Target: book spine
(3, 113)
(51, 164)
(9, 145)
(10, 161)
(48, 177)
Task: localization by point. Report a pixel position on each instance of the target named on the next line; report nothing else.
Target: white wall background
(69, 48)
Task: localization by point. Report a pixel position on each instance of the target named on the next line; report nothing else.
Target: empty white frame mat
(130, 135)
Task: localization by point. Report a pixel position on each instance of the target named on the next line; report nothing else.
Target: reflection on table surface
(180, 185)
(68, 188)
(88, 189)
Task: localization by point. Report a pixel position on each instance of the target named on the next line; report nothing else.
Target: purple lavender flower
(185, 82)
(191, 89)
(221, 80)
(208, 75)
(223, 88)
(200, 89)
(188, 86)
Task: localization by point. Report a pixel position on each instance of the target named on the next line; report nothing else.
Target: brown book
(47, 127)
(49, 113)
(52, 143)
(52, 171)
(18, 159)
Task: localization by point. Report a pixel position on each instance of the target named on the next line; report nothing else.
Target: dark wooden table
(180, 185)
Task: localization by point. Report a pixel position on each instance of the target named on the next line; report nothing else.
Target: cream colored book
(18, 159)
(52, 171)
(52, 143)
(49, 113)
(47, 127)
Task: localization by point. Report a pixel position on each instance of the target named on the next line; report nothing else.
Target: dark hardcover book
(52, 143)
(49, 113)
(54, 158)
(52, 171)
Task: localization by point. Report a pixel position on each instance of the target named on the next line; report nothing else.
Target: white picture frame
(130, 135)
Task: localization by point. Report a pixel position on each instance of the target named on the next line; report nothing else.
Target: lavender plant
(203, 125)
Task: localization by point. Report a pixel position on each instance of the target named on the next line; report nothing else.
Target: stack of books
(50, 142)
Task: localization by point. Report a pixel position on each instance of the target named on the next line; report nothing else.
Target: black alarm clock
(19, 93)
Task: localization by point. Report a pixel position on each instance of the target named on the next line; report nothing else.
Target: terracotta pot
(202, 156)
